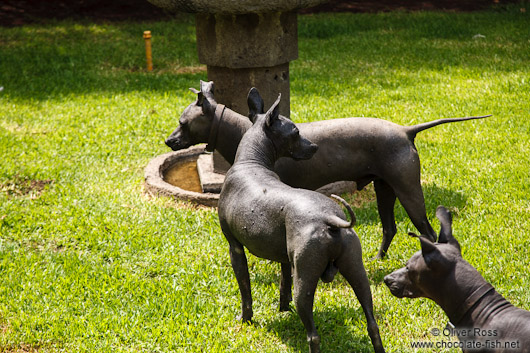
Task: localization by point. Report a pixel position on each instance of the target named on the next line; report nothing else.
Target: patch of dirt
(20, 12)
(180, 70)
(24, 186)
(362, 198)
(22, 348)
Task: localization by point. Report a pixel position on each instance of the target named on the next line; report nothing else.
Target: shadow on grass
(61, 58)
(341, 329)
(41, 62)
(430, 40)
(376, 275)
(366, 210)
(341, 326)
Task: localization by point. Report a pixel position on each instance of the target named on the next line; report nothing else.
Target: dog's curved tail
(413, 130)
(339, 222)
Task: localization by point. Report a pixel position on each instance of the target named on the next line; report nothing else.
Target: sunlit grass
(89, 263)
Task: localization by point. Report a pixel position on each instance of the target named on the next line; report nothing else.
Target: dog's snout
(172, 143)
(177, 143)
(310, 147)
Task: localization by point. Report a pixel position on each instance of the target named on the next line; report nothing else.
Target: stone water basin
(175, 174)
(184, 175)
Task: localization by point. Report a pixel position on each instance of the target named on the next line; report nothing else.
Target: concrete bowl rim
(155, 184)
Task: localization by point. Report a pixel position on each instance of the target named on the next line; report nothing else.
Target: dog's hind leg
(240, 267)
(306, 276)
(413, 202)
(285, 287)
(350, 265)
(386, 199)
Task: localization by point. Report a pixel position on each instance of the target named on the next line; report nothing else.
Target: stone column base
(248, 50)
(232, 86)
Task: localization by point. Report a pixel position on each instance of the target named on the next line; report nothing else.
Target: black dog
(483, 320)
(296, 227)
(352, 149)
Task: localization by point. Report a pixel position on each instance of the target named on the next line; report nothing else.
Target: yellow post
(147, 37)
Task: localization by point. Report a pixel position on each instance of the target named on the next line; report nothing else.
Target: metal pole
(147, 37)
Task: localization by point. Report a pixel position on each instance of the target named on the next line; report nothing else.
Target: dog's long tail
(339, 222)
(413, 130)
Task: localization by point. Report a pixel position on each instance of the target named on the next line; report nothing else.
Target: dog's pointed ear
(427, 246)
(274, 112)
(432, 255)
(207, 88)
(200, 96)
(446, 231)
(205, 97)
(208, 108)
(255, 104)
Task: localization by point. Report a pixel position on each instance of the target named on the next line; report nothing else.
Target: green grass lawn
(88, 263)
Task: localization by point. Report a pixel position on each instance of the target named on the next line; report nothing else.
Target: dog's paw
(378, 257)
(285, 308)
(244, 320)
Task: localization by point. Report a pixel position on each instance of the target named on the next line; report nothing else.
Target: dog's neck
(472, 303)
(214, 128)
(490, 305)
(257, 148)
(230, 131)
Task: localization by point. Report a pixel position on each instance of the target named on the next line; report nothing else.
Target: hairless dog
(481, 318)
(352, 149)
(296, 227)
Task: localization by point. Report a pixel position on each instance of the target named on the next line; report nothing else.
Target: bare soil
(23, 186)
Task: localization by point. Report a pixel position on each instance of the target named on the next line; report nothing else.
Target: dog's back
(260, 210)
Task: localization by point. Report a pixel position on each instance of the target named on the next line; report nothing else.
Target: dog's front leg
(286, 282)
(240, 266)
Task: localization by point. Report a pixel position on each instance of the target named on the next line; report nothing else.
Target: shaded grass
(88, 263)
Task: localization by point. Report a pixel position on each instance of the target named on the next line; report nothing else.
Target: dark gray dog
(482, 319)
(296, 227)
(352, 149)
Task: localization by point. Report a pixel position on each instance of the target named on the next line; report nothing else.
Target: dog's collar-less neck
(473, 299)
(217, 117)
